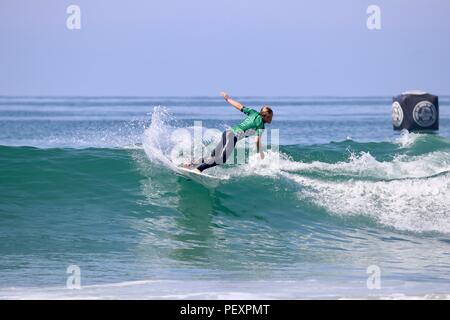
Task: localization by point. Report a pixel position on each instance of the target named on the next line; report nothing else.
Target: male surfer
(251, 125)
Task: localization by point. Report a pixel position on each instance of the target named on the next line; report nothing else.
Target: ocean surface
(87, 181)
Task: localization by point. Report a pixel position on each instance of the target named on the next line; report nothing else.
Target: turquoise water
(84, 181)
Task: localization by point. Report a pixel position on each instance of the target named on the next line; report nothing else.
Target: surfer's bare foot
(187, 165)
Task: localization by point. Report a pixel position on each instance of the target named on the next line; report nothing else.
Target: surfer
(253, 124)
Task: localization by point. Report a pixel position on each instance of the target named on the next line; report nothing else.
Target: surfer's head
(266, 113)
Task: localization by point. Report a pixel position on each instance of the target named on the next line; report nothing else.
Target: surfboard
(203, 178)
(191, 172)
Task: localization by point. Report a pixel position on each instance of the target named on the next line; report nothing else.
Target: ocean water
(87, 182)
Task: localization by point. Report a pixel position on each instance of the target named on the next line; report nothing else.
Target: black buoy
(415, 111)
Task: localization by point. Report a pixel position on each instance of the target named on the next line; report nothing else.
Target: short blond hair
(265, 111)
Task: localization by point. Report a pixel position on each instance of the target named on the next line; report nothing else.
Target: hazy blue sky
(247, 47)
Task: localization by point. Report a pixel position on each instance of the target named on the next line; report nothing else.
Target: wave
(402, 184)
(407, 188)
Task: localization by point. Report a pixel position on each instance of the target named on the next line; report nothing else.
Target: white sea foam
(411, 204)
(406, 139)
(170, 145)
(234, 290)
(364, 165)
(156, 139)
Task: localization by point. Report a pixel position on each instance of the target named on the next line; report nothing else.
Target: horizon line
(203, 96)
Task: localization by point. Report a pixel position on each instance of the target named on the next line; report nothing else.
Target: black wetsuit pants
(222, 151)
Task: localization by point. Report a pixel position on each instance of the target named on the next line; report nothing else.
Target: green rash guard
(251, 125)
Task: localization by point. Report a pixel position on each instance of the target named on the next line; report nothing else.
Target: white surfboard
(203, 178)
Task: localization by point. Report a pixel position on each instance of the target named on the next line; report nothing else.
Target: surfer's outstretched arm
(234, 103)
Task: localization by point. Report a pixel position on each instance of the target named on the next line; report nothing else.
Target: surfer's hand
(262, 155)
(225, 95)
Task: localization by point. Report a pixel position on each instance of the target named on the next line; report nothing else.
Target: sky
(245, 47)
